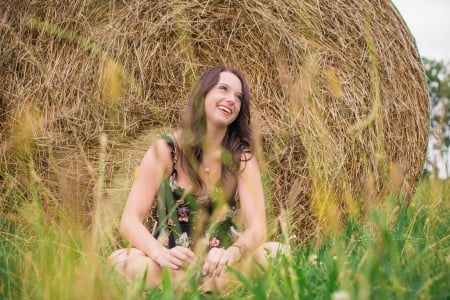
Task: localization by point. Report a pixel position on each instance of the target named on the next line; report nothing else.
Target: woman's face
(223, 101)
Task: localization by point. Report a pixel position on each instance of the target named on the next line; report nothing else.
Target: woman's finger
(214, 259)
(210, 262)
(175, 260)
(177, 254)
(188, 252)
(165, 261)
(183, 254)
(169, 265)
(225, 259)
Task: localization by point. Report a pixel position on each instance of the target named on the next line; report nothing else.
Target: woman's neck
(213, 140)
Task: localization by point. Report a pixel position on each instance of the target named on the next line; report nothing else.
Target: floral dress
(185, 219)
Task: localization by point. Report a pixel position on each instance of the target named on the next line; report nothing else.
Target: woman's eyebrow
(224, 83)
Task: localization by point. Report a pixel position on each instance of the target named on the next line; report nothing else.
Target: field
(396, 252)
(342, 112)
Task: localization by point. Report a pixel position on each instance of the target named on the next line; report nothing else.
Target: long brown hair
(237, 140)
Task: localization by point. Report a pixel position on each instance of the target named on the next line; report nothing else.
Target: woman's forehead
(231, 80)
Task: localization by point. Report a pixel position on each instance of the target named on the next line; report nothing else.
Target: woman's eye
(222, 87)
(239, 97)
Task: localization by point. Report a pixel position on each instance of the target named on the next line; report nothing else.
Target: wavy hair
(238, 139)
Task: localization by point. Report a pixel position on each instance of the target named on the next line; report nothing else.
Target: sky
(429, 23)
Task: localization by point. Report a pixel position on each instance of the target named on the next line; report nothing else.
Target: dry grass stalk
(338, 89)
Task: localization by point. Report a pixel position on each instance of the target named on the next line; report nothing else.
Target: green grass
(396, 252)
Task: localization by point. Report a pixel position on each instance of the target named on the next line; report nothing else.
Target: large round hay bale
(339, 96)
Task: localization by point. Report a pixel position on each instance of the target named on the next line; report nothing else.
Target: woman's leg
(269, 250)
(249, 266)
(133, 263)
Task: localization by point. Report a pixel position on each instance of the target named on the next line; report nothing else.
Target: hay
(339, 94)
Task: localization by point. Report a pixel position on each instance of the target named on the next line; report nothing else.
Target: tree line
(438, 79)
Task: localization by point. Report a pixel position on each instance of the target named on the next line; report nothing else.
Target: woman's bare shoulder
(159, 152)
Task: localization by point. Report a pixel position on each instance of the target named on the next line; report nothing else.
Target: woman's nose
(231, 98)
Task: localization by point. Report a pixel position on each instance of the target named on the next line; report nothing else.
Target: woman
(195, 175)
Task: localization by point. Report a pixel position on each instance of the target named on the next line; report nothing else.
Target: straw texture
(339, 95)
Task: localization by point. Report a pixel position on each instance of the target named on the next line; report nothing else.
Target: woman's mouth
(224, 109)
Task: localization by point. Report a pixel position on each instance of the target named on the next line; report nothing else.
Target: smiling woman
(223, 102)
(340, 100)
(195, 174)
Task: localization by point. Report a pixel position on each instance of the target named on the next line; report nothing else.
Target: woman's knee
(134, 264)
(177, 275)
(272, 249)
(124, 254)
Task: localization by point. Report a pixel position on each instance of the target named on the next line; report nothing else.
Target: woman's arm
(253, 212)
(157, 162)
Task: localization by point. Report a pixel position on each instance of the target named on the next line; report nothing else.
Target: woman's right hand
(174, 258)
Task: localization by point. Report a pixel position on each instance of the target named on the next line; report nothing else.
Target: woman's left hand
(217, 260)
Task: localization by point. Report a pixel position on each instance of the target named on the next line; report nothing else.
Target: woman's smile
(225, 98)
(227, 111)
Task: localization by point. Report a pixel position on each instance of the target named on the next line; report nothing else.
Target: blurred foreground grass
(396, 252)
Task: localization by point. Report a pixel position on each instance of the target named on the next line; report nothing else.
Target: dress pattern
(185, 219)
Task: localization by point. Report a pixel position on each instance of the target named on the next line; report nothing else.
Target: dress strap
(171, 142)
